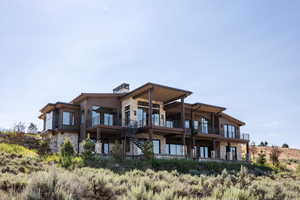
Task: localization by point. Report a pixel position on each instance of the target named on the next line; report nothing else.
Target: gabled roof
(83, 96)
(162, 93)
(226, 116)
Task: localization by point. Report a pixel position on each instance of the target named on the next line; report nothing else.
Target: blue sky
(243, 55)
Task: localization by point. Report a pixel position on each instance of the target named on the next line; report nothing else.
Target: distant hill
(288, 156)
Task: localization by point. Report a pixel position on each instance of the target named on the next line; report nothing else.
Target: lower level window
(203, 152)
(156, 146)
(233, 152)
(174, 149)
(105, 148)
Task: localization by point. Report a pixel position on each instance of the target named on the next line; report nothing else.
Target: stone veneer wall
(223, 150)
(56, 140)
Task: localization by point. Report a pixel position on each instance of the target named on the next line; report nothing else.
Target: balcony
(235, 135)
(106, 121)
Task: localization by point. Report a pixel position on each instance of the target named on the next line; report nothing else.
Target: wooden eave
(159, 93)
(52, 106)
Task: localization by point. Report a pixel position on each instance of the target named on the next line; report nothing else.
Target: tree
(32, 128)
(285, 145)
(274, 156)
(20, 127)
(263, 144)
(266, 143)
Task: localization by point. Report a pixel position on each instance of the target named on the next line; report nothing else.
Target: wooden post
(213, 123)
(150, 111)
(183, 125)
(247, 152)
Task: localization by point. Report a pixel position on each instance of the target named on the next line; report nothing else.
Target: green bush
(67, 153)
(261, 159)
(88, 150)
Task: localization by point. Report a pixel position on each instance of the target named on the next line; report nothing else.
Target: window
(203, 152)
(49, 121)
(229, 131)
(174, 149)
(169, 124)
(108, 119)
(142, 117)
(95, 118)
(187, 124)
(127, 118)
(204, 125)
(196, 124)
(156, 146)
(68, 118)
(155, 118)
(105, 148)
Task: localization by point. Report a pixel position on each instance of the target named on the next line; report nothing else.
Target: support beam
(183, 125)
(99, 134)
(213, 122)
(247, 152)
(150, 111)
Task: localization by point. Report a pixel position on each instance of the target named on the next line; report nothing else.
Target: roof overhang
(52, 106)
(159, 93)
(84, 96)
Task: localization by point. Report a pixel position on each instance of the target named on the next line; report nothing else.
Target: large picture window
(108, 119)
(68, 118)
(95, 115)
(229, 131)
(174, 149)
(204, 125)
(49, 121)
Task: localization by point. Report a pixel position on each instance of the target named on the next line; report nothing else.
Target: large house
(151, 112)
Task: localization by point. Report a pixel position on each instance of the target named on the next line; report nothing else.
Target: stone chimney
(123, 88)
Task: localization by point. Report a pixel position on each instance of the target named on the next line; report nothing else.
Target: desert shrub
(117, 151)
(298, 169)
(261, 159)
(12, 183)
(17, 150)
(285, 145)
